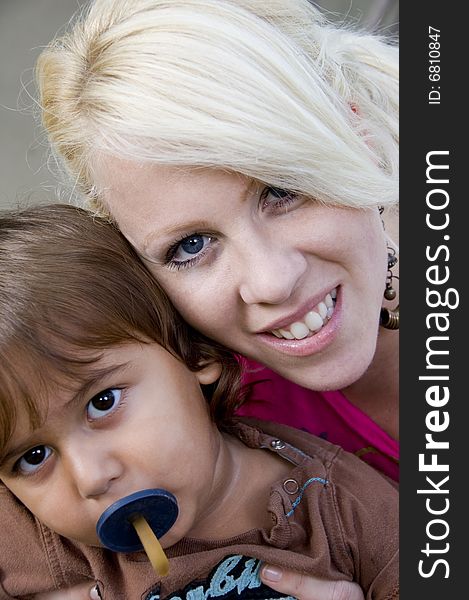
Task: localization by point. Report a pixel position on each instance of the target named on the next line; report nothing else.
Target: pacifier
(135, 522)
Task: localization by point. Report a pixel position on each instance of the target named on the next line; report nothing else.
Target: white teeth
(299, 330)
(322, 308)
(313, 321)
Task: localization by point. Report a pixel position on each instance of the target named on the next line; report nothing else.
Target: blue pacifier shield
(115, 529)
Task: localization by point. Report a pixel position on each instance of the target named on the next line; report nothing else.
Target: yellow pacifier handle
(152, 546)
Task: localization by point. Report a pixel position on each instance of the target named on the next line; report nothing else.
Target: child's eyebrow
(94, 378)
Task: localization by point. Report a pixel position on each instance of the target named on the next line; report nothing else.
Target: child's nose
(92, 470)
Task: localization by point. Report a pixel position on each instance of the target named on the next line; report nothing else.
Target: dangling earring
(389, 319)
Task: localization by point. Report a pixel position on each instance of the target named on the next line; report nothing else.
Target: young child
(105, 391)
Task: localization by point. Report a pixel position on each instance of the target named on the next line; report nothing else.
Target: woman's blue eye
(190, 247)
(273, 197)
(33, 459)
(277, 192)
(103, 403)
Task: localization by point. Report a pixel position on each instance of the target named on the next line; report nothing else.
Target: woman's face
(279, 278)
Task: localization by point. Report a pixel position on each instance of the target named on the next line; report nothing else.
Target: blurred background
(26, 26)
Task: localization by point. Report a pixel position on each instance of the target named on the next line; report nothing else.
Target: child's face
(139, 422)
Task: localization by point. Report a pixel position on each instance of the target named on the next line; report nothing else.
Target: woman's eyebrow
(155, 239)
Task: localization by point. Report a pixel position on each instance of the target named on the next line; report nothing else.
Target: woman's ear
(209, 373)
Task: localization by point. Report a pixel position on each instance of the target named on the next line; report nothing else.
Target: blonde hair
(266, 88)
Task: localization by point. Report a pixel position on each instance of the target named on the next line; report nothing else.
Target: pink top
(326, 414)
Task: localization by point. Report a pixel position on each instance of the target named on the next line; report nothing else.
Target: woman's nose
(92, 468)
(270, 271)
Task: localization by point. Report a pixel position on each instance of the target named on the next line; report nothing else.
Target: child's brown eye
(103, 403)
(33, 459)
(35, 456)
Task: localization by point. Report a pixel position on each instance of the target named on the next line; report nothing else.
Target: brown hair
(71, 282)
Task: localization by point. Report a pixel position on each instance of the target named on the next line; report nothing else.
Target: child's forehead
(32, 381)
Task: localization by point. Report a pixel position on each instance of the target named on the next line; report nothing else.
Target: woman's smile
(291, 341)
(305, 322)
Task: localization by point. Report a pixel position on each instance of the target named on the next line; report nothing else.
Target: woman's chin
(330, 373)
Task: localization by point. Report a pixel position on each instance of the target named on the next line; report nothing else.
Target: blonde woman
(248, 149)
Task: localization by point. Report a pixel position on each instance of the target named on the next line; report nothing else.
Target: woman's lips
(299, 338)
(311, 322)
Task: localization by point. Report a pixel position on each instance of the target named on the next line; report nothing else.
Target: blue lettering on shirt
(235, 578)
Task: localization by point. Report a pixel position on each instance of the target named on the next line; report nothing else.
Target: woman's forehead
(121, 176)
(153, 200)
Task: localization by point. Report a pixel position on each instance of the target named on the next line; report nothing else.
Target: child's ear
(209, 373)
